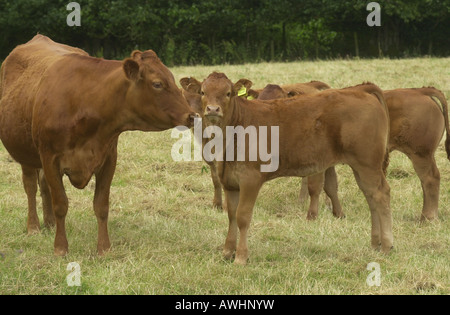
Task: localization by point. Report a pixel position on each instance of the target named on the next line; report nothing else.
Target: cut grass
(167, 239)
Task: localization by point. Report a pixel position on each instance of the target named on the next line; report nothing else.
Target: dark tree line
(234, 31)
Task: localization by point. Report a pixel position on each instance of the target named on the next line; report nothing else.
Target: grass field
(167, 239)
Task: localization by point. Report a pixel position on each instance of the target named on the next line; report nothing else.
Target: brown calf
(315, 132)
(417, 124)
(309, 186)
(62, 111)
(191, 91)
(273, 91)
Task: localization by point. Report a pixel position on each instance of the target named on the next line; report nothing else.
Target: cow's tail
(435, 93)
(319, 85)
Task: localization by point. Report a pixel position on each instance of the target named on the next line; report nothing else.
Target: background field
(167, 239)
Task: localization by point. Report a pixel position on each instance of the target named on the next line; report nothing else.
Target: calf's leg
(315, 186)
(429, 175)
(247, 198)
(232, 200)
(331, 189)
(217, 201)
(377, 192)
(304, 190)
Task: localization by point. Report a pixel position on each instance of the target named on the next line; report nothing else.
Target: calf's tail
(435, 93)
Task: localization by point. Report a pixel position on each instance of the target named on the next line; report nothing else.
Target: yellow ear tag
(242, 91)
(250, 98)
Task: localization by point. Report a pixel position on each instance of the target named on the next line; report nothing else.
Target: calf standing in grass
(317, 131)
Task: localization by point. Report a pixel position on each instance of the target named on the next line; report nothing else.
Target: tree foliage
(233, 31)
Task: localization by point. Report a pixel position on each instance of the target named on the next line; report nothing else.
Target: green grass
(167, 239)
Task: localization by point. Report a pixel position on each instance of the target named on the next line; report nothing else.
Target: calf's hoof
(61, 252)
(228, 254)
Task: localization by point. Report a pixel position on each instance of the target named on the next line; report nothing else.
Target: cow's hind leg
(101, 200)
(30, 179)
(377, 192)
(428, 173)
(49, 217)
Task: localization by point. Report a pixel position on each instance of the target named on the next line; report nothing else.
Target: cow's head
(217, 93)
(155, 100)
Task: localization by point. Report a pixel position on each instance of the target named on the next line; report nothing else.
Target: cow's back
(21, 74)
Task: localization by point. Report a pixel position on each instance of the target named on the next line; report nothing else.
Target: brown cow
(315, 132)
(417, 124)
(62, 111)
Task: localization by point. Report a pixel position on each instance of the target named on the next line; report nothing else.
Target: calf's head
(155, 100)
(217, 93)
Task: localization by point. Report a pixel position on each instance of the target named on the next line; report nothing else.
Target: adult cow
(315, 132)
(62, 111)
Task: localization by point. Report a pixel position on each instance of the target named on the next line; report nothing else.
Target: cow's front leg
(103, 179)
(60, 203)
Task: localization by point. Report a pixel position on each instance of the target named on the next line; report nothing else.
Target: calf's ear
(252, 94)
(191, 85)
(131, 69)
(293, 93)
(136, 55)
(242, 83)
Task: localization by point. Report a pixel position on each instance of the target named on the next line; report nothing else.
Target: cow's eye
(228, 94)
(202, 93)
(157, 85)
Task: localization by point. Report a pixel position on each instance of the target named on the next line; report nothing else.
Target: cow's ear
(131, 69)
(240, 85)
(252, 94)
(191, 85)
